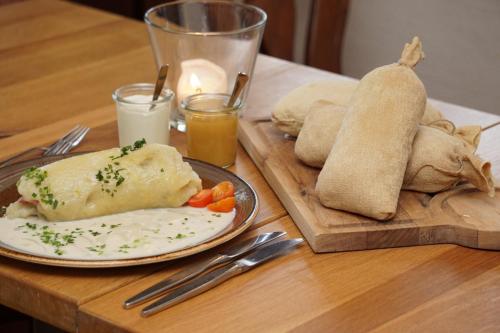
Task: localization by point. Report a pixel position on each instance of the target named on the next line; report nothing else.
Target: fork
(60, 147)
(67, 142)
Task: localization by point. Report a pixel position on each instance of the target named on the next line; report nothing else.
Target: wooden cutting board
(461, 216)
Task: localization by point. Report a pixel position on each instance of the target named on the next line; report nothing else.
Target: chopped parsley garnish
(94, 233)
(99, 249)
(44, 194)
(47, 197)
(180, 236)
(124, 248)
(110, 175)
(135, 244)
(32, 226)
(37, 174)
(107, 176)
(50, 237)
(125, 150)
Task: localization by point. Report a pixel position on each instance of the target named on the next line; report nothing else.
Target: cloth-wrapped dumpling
(439, 158)
(439, 161)
(318, 133)
(106, 182)
(365, 169)
(289, 113)
(470, 134)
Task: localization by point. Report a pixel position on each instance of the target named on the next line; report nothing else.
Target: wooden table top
(59, 64)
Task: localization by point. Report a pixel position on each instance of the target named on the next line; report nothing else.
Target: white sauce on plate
(135, 234)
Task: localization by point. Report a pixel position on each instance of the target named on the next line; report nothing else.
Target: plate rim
(109, 263)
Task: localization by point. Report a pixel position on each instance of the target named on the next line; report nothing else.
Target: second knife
(195, 269)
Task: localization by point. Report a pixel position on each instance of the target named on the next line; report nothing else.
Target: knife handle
(193, 288)
(174, 280)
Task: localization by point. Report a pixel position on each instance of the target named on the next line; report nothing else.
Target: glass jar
(139, 117)
(206, 44)
(211, 128)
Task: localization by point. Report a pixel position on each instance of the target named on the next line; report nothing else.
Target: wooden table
(59, 64)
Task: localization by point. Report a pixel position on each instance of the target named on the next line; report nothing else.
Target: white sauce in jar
(136, 121)
(134, 234)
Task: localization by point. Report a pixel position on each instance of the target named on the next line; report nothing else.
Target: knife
(219, 275)
(192, 270)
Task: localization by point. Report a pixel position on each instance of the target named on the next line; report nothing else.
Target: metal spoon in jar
(160, 81)
(241, 81)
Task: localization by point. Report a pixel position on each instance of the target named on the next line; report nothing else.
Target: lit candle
(200, 76)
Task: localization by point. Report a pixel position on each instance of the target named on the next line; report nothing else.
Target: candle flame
(195, 83)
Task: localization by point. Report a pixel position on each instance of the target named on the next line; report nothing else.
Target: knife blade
(192, 270)
(219, 275)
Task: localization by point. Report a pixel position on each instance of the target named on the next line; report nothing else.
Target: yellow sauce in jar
(212, 129)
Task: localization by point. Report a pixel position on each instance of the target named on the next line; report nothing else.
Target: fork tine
(60, 148)
(59, 142)
(81, 137)
(76, 141)
(50, 150)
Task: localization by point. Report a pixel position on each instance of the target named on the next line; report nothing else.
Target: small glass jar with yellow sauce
(211, 128)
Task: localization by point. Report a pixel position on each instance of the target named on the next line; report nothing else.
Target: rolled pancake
(106, 182)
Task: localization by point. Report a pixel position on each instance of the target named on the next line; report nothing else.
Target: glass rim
(167, 97)
(256, 26)
(238, 104)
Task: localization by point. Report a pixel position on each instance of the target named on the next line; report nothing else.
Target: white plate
(245, 212)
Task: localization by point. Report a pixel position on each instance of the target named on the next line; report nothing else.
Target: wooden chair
(324, 36)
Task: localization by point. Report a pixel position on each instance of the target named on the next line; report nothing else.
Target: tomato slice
(28, 202)
(222, 190)
(223, 206)
(201, 199)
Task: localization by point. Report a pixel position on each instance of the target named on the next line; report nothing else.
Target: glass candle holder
(211, 128)
(139, 117)
(206, 44)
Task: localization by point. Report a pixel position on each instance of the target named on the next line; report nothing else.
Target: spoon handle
(160, 81)
(241, 81)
